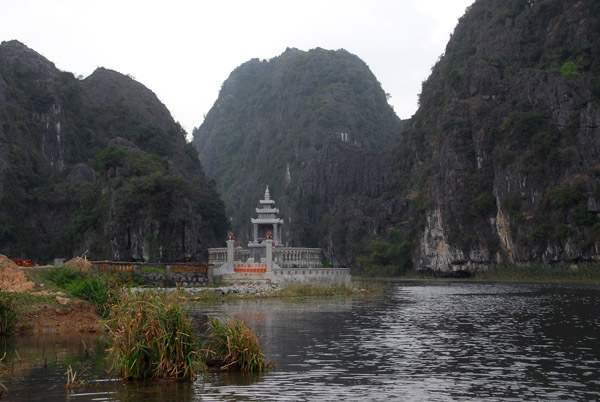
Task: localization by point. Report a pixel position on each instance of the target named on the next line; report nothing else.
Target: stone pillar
(230, 254)
(256, 233)
(269, 255)
(275, 236)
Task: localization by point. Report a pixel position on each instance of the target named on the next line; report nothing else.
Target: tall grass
(9, 313)
(232, 345)
(151, 336)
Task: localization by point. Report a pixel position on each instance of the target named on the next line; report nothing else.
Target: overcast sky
(183, 50)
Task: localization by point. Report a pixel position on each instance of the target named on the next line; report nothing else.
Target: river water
(434, 341)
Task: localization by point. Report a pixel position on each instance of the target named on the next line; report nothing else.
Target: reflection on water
(420, 341)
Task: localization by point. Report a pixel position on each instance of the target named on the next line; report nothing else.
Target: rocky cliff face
(96, 164)
(297, 123)
(505, 142)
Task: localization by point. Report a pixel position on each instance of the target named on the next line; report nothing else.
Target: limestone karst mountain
(505, 147)
(295, 122)
(96, 164)
(499, 164)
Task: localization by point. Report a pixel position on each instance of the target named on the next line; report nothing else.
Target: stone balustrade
(285, 257)
(114, 266)
(297, 257)
(217, 256)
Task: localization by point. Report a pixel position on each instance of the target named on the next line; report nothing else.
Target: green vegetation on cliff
(97, 165)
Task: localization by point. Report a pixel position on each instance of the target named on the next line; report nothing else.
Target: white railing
(217, 256)
(297, 257)
(285, 257)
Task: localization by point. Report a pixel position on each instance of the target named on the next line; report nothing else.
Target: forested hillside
(96, 164)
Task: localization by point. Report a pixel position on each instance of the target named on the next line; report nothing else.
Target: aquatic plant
(151, 336)
(232, 345)
(3, 371)
(72, 380)
(9, 313)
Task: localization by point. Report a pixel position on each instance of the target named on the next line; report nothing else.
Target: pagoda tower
(268, 221)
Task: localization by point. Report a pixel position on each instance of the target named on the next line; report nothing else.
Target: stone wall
(186, 275)
(315, 276)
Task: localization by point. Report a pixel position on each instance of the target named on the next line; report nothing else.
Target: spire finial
(267, 195)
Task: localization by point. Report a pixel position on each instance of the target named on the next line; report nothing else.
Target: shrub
(513, 203)
(484, 204)
(582, 216)
(569, 71)
(526, 124)
(151, 336)
(96, 289)
(9, 313)
(233, 345)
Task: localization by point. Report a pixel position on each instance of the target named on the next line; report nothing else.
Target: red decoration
(269, 235)
(230, 236)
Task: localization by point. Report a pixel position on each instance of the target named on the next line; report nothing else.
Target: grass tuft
(9, 313)
(151, 337)
(232, 345)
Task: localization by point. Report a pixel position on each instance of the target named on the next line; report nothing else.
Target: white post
(230, 253)
(269, 255)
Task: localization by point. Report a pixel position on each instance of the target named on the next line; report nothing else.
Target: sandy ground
(12, 278)
(68, 316)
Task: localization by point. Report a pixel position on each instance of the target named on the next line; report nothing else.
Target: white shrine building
(267, 259)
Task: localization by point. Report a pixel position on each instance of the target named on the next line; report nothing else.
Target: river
(430, 340)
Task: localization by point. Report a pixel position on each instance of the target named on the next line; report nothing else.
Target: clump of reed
(232, 345)
(9, 313)
(151, 336)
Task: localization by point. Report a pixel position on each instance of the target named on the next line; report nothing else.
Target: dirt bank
(75, 317)
(12, 278)
(58, 313)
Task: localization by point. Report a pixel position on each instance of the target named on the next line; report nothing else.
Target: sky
(183, 50)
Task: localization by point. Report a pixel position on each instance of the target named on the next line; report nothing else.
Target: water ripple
(424, 341)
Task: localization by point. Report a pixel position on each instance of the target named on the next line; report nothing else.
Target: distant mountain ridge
(98, 165)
